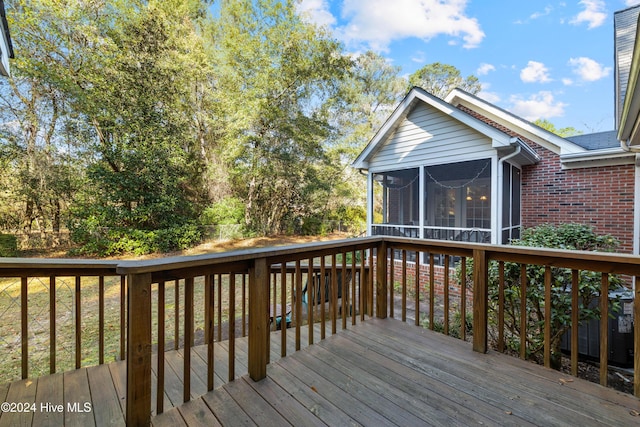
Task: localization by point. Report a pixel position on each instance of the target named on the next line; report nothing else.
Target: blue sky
(537, 59)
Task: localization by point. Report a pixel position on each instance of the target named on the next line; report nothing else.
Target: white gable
(424, 128)
(427, 136)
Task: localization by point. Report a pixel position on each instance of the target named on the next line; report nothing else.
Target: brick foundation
(454, 286)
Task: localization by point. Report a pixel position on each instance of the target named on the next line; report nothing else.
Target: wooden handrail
(262, 266)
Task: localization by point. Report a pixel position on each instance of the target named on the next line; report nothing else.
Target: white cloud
(541, 105)
(535, 72)
(419, 57)
(588, 69)
(487, 95)
(484, 69)
(377, 23)
(632, 2)
(316, 11)
(547, 11)
(567, 81)
(594, 13)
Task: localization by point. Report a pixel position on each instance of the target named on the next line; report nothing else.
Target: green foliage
(455, 324)
(147, 176)
(8, 245)
(229, 210)
(277, 77)
(563, 132)
(440, 79)
(353, 218)
(121, 240)
(564, 236)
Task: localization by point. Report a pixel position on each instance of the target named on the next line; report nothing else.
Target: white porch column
(422, 201)
(496, 212)
(369, 202)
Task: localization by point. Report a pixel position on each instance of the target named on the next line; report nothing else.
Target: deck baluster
(604, 328)
(480, 295)
(381, 281)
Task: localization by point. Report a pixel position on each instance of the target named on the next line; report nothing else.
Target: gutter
(604, 157)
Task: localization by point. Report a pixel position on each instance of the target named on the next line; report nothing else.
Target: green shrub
(564, 236)
(313, 226)
(455, 324)
(118, 241)
(354, 218)
(8, 245)
(229, 210)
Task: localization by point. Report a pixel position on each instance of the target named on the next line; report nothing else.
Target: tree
(146, 180)
(39, 153)
(563, 132)
(439, 79)
(370, 90)
(275, 79)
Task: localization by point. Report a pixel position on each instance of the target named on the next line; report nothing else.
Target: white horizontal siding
(428, 137)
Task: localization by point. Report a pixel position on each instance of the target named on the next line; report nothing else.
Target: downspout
(501, 188)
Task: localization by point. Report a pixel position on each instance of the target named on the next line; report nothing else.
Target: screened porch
(454, 201)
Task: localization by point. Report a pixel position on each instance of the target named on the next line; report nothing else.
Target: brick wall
(601, 197)
(454, 286)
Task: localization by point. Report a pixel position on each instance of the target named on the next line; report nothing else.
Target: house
(463, 169)
(6, 47)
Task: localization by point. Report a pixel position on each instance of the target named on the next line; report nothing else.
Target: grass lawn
(38, 318)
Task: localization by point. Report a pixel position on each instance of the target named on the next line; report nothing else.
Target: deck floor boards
(379, 372)
(49, 392)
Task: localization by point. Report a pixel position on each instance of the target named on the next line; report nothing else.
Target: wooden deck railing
(258, 286)
(36, 294)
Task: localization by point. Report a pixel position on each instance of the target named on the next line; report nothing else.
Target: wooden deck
(380, 372)
(384, 372)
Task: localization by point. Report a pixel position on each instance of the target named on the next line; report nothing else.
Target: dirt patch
(215, 246)
(211, 246)
(617, 378)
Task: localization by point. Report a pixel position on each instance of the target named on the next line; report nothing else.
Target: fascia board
(597, 158)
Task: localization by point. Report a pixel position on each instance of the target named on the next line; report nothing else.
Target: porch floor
(380, 372)
(385, 372)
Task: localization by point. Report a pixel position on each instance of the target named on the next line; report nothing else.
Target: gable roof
(518, 125)
(416, 95)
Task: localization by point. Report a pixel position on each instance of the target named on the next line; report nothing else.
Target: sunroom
(436, 172)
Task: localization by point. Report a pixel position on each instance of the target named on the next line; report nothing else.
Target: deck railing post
(139, 350)
(480, 296)
(381, 281)
(258, 319)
